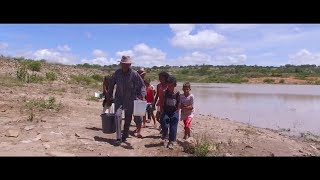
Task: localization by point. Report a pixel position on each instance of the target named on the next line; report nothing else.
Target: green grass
(42, 104)
(268, 80)
(202, 146)
(51, 76)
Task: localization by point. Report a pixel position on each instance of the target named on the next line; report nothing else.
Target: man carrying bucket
(130, 87)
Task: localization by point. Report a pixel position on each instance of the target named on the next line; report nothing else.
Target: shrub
(281, 81)
(51, 76)
(97, 77)
(34, 65)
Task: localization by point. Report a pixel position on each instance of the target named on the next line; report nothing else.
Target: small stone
(313, 147)
(77, 135)
(3, 110)
(227, 155)
(12, 133)
(27, 128)
(38, 137)
(26, 141)
(90, 148)
(248, 146)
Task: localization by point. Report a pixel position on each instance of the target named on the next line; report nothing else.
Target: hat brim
(125, 62)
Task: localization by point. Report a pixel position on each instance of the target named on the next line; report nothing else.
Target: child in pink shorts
(187, 111)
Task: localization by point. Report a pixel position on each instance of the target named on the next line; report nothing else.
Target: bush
(22, 74)
(281, 81)
(34, 78)
(97, 77)
(82, 79)
(34, 66)
(269, 81)
(51, 76)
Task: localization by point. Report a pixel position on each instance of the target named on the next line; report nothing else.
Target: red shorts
(187, 122)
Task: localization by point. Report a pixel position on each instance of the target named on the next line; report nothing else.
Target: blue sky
(162, 44)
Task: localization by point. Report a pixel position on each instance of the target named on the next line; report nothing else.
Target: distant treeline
(210, 73)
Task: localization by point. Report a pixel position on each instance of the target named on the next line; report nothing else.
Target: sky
(164, 44)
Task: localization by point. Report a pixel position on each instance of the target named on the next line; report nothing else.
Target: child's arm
(190, 107)
(178, 102)
(156, 98)
(105, 87)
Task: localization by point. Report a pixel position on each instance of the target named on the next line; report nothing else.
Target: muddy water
(294, 107)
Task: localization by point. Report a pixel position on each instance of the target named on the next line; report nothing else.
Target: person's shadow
(113, 142)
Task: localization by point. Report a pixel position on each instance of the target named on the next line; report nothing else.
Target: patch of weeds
(42, 104)
(202, 146)
(51, 76)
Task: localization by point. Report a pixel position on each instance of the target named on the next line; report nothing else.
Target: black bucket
(108, 123)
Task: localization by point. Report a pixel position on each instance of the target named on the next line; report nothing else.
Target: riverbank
(74, 129)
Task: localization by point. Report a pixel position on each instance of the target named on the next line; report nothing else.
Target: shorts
(187, 122)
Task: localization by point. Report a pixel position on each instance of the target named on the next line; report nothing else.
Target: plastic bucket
(97, 94)
(139, 107)
(108, 123)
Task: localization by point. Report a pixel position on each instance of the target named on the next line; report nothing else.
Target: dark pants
(128, 111)
(170, 122)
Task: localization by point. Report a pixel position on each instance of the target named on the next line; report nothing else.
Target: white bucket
(139, 108)
(97, 94)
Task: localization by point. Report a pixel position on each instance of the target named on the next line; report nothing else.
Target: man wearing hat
(130, 87)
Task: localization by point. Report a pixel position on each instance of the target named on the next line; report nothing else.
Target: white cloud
(99, 53)
(304, 57)
(126, 53)
(100, 60)
(3, 45)
(202, 39)
(230, 50)
(214, 59)
(143, 55)
(64, 48)
(53, 56)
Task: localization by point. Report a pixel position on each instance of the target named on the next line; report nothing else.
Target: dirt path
(76, 131)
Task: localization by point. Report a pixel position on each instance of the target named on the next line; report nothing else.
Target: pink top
(161, 88)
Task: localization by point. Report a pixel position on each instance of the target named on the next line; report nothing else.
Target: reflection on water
(270, 106)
